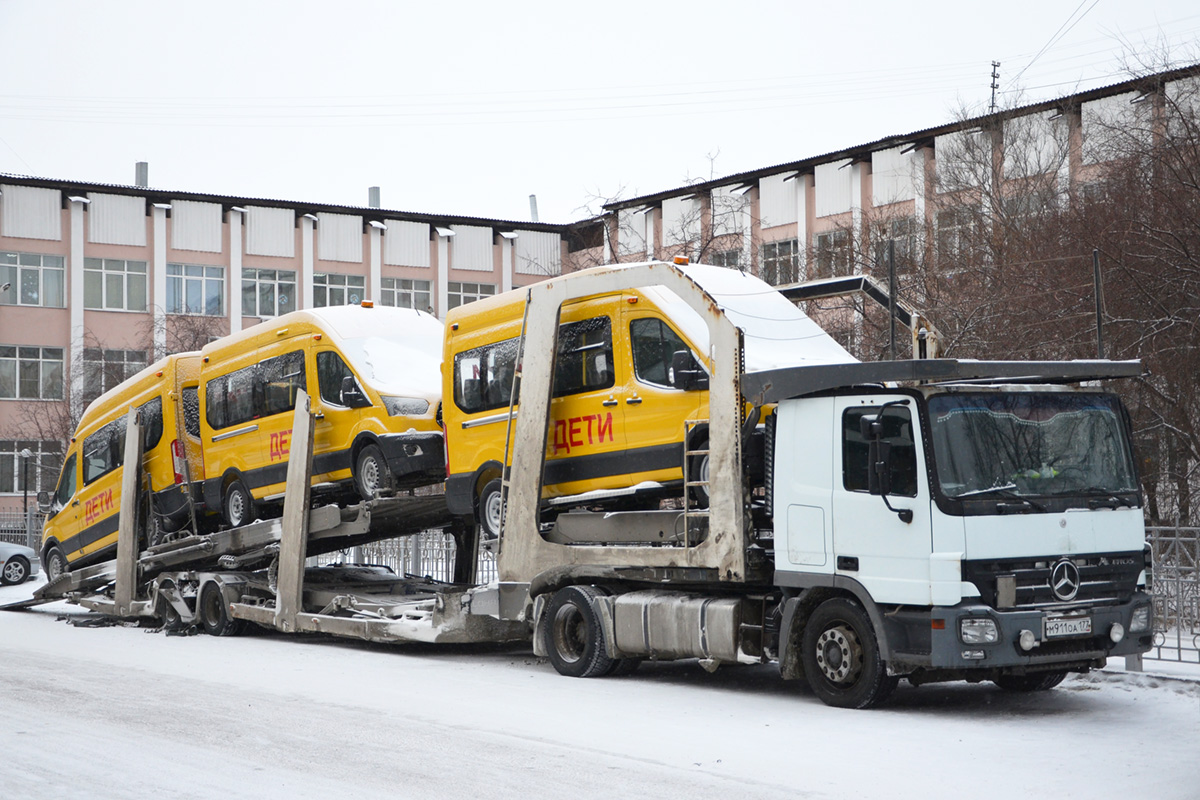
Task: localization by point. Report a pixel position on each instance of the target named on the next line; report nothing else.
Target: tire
(238, 505)
(698, 471)
(16, 570)
(372, 474)
(55, 563)
(572, 636)
(841, 657)
(491, 509)
(1037, 682)
(166, 612)
(214, 613)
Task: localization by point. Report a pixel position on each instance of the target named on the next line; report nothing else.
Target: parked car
(17, 563)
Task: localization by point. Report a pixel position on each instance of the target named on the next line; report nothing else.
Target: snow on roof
(398, 351)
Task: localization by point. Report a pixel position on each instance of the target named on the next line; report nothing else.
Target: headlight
(978, 630)
(405, 406)
(1140, 622)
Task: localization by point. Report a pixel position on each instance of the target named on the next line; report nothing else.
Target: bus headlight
(1140, 622)
(978, 630)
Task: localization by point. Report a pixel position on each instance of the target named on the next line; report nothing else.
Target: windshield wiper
(1101, 497)
(1006, 492)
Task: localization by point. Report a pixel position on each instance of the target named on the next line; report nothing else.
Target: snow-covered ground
(120, 712)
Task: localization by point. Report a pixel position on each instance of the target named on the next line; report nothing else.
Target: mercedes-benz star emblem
(1064, 580)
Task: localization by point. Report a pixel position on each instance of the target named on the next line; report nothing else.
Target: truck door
(585, 445)
(871, 543)
(655, 409)
(336, 422)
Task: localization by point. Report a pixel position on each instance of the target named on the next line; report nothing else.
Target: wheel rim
(492, 511)
(213, 608)
(237, 506)
(370, 475)
(55, 566)
(839, 655)
(568, 629)
(14, 571)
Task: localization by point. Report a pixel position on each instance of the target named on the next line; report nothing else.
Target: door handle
(633, 401)
(319, 415)
(609, 402)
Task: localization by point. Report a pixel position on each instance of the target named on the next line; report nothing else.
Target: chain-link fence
(1176, 590)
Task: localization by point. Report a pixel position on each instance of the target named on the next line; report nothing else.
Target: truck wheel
(56, 563)
(372, 473)
(239, 504)
(214, 613)
(1038, 682)
(491, 509)
(841, 657)
(16, 570)
(573, 638)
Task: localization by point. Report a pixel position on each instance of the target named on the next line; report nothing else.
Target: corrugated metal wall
(270, 232)
(339, 237)
(116, 219)
(893, 177)
(471, 248)
(833, 188)
(631, 232)
(1034, 145)
(406, 244)
(538, 253)
(1109, 120)
(30, 212)
(196, 226)
(681, 220)
(728, 211)
(961, 159)
(777, 200)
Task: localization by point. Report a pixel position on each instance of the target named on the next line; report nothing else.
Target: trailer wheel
(841, 657)
(56, 563)
(572, 635)
(16, 570)
(1038, 682)
(491, 509)
(239, 504)
(214, 613)
(372, 473)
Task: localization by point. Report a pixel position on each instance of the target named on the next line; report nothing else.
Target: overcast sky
(468, 108)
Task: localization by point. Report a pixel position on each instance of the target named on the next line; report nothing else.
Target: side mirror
(43, 501)
(879, 472)
(352, 396)
(686, 374)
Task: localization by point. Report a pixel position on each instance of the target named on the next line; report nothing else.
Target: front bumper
(948, 651)
(415, 458)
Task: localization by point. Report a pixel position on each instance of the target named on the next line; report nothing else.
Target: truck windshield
(1030, 444)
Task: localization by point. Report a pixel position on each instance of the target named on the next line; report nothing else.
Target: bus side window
(66, 484)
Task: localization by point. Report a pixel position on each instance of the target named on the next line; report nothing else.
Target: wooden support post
(127, 528)
(294, 538)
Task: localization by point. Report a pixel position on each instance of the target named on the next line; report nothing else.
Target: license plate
(1067, 626)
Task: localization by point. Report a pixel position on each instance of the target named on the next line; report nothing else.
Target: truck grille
(1103, 578)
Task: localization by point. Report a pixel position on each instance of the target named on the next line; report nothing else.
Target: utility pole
(995, 85)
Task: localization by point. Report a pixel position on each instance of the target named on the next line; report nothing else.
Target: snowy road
(122, 712)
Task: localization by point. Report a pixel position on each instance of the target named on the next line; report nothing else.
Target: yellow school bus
(372, 375)
(81, 523)
(630, 371)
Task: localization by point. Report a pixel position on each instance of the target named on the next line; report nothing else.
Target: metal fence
(426, 554)
(1176, 590)
(21, 528)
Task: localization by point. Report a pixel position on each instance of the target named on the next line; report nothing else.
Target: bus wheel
(841, 657)
(239, 504)
(56, 563)
(491, 509)
(372, 474)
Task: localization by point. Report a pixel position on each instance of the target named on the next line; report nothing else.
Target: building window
(332, 289)
(268, 292)
(406, 293)
(193, 289)
(104, 369)
(833, 253)
(780, 262)
(955, 227)
(462, 293)
(31, 373)
(727, 258)
(902, 231)
(111, 284)
(42, 470)
(32, 279)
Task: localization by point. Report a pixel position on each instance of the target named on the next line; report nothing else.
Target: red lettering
(606, 425)
(573, 431)
(281, 445)
(560, 437)
(590, 418)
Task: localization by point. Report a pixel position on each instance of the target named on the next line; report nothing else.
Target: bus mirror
(352, 396)
(686, 374)
(43, 501)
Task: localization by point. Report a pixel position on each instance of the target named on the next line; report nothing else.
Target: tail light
(177, 461)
